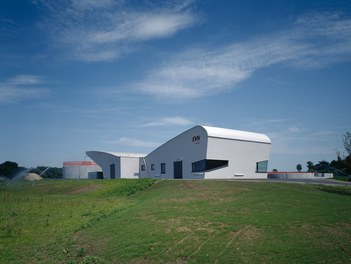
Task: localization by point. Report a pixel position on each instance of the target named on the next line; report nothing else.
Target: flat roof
(121, 154)
(218, 132)
(79, 163)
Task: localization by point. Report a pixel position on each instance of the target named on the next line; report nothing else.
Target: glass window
(163, 168)
(198, 166)
(208, 165)
(152, 166)
(142, 167)
(261, 166)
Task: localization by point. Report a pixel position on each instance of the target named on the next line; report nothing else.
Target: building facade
(80, 170)
(201, 152)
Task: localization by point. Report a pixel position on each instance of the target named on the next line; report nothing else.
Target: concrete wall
(299, 175)
(195, 145)
(242, 157)
(105, 160)
(187, 147)
(78, 170)
(124, 167)
(192, 146)
(129, 168)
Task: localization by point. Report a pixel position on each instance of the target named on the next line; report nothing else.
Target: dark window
(152, 166)
(207, 165)
(261, 167)
(163, 168)
(142, 167)
(112, 171)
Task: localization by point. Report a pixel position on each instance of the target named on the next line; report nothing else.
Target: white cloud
(90, 4)
(169, 121)
(314, 41)
(161, 25)
(94, 30)
(25, 80)
(21, 87)
(133, 142)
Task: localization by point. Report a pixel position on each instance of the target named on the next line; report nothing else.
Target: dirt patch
(250, 233)
(183, 229)
(32, 177)
(193, 185)
(85, 189)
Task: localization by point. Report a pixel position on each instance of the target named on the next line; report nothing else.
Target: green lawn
(122, 221)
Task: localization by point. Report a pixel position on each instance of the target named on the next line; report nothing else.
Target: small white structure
(201, 152)
(80, 170)
(299, 175)
(117, 165)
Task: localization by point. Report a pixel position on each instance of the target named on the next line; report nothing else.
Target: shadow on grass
(335, 189)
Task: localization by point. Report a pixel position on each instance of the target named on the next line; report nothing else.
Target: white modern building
(201, 152)
(117, 165)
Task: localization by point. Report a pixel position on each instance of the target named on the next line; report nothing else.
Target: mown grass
(173, 222)
(38, 221)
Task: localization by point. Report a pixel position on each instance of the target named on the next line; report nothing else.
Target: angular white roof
(218, 132)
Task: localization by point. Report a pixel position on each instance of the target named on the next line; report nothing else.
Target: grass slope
(38, 221)
(173, 222)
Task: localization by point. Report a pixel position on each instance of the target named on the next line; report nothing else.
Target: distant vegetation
(49, 172)
(10, 169)
(341, 166)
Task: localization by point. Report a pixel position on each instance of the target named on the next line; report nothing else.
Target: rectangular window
(163, 168)
(261, 166)
(142, 167)
(208, 165)
(152, 166)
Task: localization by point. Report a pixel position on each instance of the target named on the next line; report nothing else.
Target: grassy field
(142, 221)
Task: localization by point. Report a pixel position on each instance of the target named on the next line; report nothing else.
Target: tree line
(340, 166)
(10, 169)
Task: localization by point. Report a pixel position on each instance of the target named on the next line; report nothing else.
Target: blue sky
(78, 75)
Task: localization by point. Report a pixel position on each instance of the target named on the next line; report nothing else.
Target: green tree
(49, 173)
(299, 167)
(310, 166)
(7, 168)
(347, 142)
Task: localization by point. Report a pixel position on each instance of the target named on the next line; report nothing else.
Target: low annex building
(202, 152)
(81, 170)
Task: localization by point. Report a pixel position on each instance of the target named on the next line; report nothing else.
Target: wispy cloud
(93, 30)
(91, 110)
(20, 88)
(168, 121)
(313, 41)
(25, 80)
(133, 142)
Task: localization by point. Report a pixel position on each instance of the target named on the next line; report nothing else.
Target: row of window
(208, 165)
(163, 167)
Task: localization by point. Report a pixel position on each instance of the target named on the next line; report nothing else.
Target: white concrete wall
(181, 148)
(78, 171)
(129, 168)
(105, 160)
(242, 157)
(299, 175)
(191, 146)
(125, 167)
